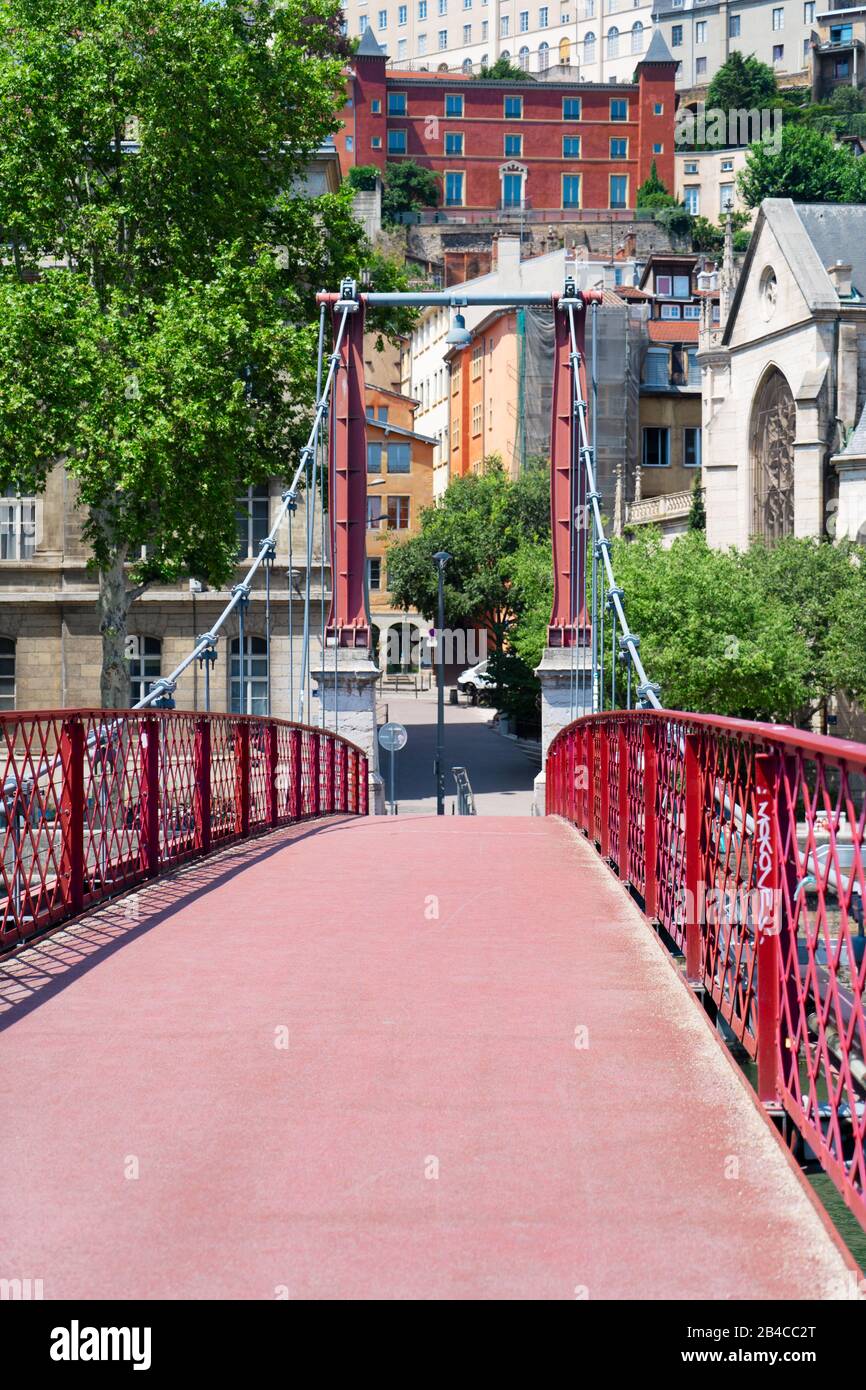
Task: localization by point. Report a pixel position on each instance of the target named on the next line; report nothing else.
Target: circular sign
(393, 737)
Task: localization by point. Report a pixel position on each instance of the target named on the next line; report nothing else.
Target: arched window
(564, 52)
(774, 425)
(7, 673)
(253, 520)
(589, 47)
(467, 65)
(443, 67)
(485, 60)
(543, 57)
(255, 679)
(523, 58)
(612, 41)
(636, 36)
(144, 655)
(505, 55)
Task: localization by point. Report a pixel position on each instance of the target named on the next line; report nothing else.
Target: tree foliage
(157, 298)
(808, 167)
(407, 188)
(743, 83)
(503, 70)
(652, 193)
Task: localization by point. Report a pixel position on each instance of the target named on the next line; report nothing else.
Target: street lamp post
(441, 557)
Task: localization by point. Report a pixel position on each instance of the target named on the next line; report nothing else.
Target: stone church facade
(784, 380)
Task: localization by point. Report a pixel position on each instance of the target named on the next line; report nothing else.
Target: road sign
(393, 737)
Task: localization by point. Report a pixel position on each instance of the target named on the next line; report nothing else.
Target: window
(402, 14)
(485, 29)
(454, 189)
(571, 109)
(571, 190)
(422, 9)
(374, 458)
(664, 284)
(454, 142)
(254, 699)
(571, 147)
(809, 12)
(840, 68)
(613, 42)
(350, 143)
(374, 512)
(590, 9)
(778, 52)
(467, 33)
(692, 446)
(401, 48)
(690, 166)
(443, 39)
(476, 418)
(7, 673)
(144, 657)
(454, 104)
(383, 19)
(396, 142)
(700, 66)
(376, 142)
(726, 196)
(657, 367)
(512, 190)
(17, 526)
(376, 106)
(670, 311)
(692, 200)
(691, 311)
(659, 108)
(589, 47)
(514, 146)
(374, 573)
(682, 287)
(523, 59)
(542, 17)
(399, 458)
(564, 52)
(619, 147)
(727, 166)
(398, 513)
(841, 33)
(733, 26)
(477, 360)
(779, 18)
(656, 446)
(619, 109)
(543, 57)
(701, 31)
(693, 373)
(443, 6)
(618, 190)
(513, 108)
(636, 36)
(523, 20)
(503, 27)
(422, 44)
(677, 36)
(658, 149)
(396, 103)
(251, 517)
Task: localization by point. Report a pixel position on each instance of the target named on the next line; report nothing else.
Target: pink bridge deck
(430, 1130)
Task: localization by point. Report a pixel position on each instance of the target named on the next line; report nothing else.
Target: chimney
(840, 274)
(509, 253)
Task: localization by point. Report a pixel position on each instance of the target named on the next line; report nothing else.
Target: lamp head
(458, 334)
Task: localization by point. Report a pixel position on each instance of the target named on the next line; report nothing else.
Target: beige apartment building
(594, 40)
(706, 181)
(702, 34)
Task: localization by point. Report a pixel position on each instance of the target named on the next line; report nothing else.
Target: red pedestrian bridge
(259, 1044)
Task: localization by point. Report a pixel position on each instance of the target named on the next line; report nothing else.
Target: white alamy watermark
(719, 129)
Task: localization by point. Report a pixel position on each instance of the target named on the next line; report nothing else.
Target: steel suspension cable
(166, 685)
(648, 692)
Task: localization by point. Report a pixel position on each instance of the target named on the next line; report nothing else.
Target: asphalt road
(501, 774)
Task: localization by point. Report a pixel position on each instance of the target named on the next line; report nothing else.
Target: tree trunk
(114, 601)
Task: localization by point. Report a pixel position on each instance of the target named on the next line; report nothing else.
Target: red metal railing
(745, 842)
(92, 803)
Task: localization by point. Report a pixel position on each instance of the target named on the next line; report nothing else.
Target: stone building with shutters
(784, 378)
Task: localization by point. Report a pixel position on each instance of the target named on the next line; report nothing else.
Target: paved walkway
(342, 1063)
(500, 772)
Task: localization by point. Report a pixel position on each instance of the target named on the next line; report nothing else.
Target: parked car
(476, 681)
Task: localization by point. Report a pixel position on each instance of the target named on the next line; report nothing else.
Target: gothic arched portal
(774, 424)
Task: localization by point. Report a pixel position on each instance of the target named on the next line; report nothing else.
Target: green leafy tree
(743, 82)
(710, 635)
(364, 176)
(697, 510)
(808, 167)
(503, 70)
(823, 587)
(408, 187)
(653, 193)
(157, 298)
